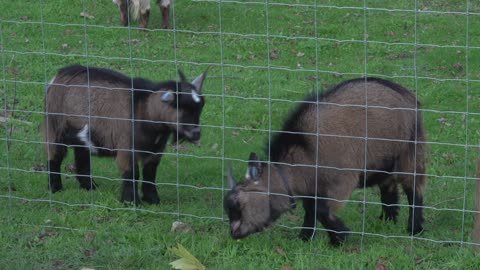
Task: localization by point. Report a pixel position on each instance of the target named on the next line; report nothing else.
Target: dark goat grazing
(321, 153)
(91, 110)
(141, 9)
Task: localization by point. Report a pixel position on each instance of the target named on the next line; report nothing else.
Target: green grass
(313, 48)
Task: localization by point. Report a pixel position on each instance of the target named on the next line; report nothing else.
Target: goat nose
(196, 135)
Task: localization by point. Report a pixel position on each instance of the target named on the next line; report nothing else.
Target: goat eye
(235, 214)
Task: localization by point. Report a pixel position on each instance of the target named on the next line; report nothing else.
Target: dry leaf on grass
(187, 261)
(274, 54)
(86, 15)
(180, 227)
(280, 251)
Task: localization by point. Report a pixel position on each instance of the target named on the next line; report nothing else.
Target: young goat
(330, 145)
(95, 111)
(141, 9)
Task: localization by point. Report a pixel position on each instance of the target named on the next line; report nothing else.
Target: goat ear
(254, 167)
(183, 78)
(168, 97)
(198, 81)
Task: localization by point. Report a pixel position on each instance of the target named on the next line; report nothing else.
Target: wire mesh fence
(264, 58)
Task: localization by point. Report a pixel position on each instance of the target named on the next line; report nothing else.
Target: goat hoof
(88, 186)
(151, 199)
(136, 202)
(337, 239)
(129, 198)
(416, 229)
(55, 187)
(389, 217)
(306, 235)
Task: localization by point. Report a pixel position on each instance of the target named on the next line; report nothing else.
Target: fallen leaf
(458, 66)
(353, 250)
(89, 236)
(131, 41)
(390, 34)
(58, 264)
(418, 260)
(38, 168)
(15, 71)
(280, 251)
(24, 18)
(90, 253)
(274, 54)
(381, 266)
(251, 55)
(86, 268)
(70, 168)
(293, 217)
(46, 234)
(300, 54)
(68, 32)
(180, 227)
(187, 261)
(287, 267)
(86, 15)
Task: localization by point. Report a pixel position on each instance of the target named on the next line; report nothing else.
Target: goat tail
(135, 7)
(138, 7)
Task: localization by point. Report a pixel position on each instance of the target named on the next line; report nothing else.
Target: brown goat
(330, 145)
(103, 112)
(140, 9)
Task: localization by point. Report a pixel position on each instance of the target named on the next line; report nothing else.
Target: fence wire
(450, 123)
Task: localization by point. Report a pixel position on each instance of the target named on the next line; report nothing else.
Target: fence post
(476, 224)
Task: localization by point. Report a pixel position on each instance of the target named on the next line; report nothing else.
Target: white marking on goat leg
(117, 2)
(164, 3)
(83, 136)
(195, 96)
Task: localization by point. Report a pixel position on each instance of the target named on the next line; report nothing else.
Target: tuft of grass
(264, 58)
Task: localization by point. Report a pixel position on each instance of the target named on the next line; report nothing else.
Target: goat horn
(231, 180)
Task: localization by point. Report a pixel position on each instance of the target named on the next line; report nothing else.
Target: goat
(140, 9)
(360, 133)
(103, 112)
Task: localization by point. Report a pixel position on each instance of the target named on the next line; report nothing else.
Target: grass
(263, 59)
